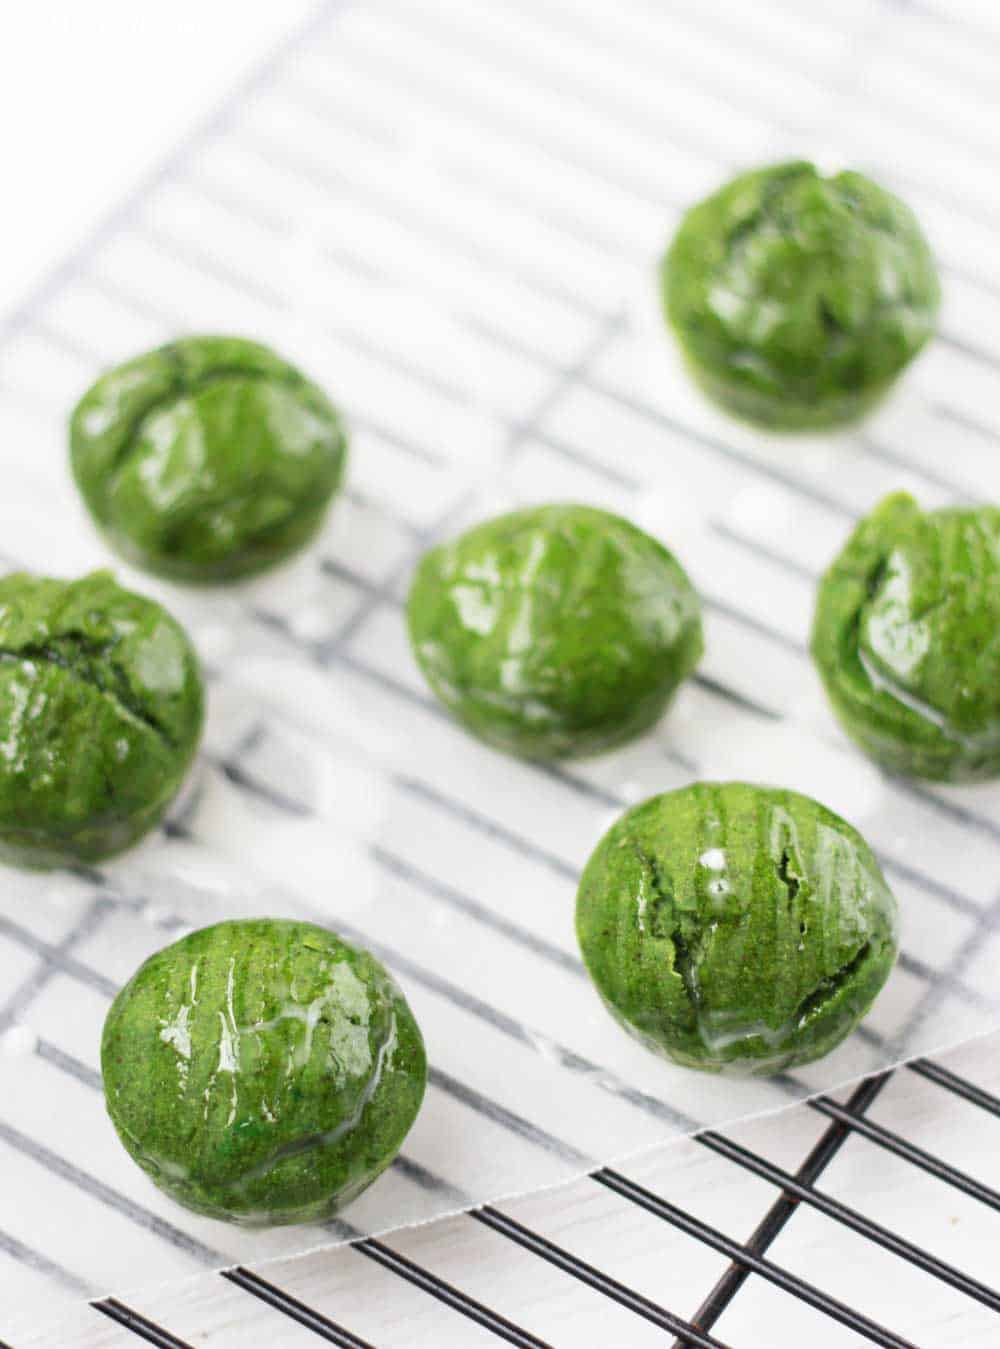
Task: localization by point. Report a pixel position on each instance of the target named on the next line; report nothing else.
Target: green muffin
(100, 714)
(262, 1071)
(797, 299)
(906, 638)
(554, 631)
(734, 927)
(207, 459)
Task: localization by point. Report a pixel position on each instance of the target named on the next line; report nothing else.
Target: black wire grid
(746, 1258)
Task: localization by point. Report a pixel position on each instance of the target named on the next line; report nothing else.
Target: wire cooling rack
(508, 173)
(333, 1295)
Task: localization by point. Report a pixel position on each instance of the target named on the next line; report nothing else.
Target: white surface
(92, 94)
(418, 124)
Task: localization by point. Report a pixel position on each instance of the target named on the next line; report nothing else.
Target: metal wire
(447, 1293)
(784, 1207)
(944, 1077)
(749, 1260)
(140, 1326)
(290, 1306)
(894, 1143)
(594, 1278)
(794, 1189)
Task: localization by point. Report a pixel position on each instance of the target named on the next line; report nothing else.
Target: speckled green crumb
(100, 716)
(797, 299)
(734, 927)
(262, 1071)
(554, 631)
(207, 459)
(906, 638)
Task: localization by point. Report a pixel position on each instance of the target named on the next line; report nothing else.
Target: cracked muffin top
(100, 715)
(797, 298)
(736, 927)
(906, 638)
(207, 459)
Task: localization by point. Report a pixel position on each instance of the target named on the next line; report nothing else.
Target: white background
(92, 95)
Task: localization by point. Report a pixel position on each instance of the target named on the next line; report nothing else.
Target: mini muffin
(262, 1071)
(797, 299)
(555, 631)
(207, 459)
(906, 639)
(100, 714)
(734, 927)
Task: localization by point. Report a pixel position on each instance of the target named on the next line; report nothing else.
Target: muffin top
(798, 298)
(906, 638)
(732, 926)
(206, 459)
(555, 630)
(263, 1070)
(101, 709)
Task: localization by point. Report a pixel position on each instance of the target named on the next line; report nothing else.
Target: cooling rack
(601, 1274)
(451, 212)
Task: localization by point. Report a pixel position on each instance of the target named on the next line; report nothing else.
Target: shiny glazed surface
(798, 299)
(906, 638)
(554, 631)
(735, 927)
(100, 716)
(262, 1071)
(207, 459)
